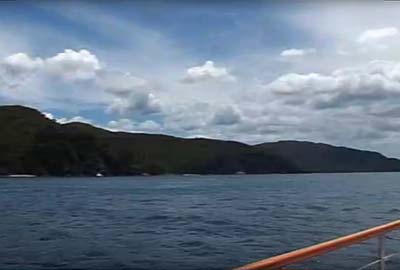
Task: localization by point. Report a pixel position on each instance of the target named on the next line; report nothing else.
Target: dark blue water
(197, 222)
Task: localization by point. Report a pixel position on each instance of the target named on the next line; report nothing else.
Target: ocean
(191, 222)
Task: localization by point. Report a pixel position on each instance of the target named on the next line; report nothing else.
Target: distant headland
(31, 144)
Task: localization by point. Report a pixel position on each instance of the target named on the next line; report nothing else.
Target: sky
(250, 71)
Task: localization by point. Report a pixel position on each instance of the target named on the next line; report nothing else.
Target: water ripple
(188, 223)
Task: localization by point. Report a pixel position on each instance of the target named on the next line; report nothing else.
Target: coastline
(186, 175)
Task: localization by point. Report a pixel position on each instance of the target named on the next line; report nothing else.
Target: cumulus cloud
(16, 68)
(293, 83)
(70, 65)
(376, 81)
(73, 65)
(21, 63)
(208, 72)
(296, 105)
(48, 115)
(226, 115)
(137, 103)
(373, 35)
(186, 117)
(342, 52)
(123, 124)
(121, 84)
(126, 124)
(78, 118)
(130, 94)
(296, 53)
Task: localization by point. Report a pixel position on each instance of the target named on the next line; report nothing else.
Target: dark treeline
(32, 144)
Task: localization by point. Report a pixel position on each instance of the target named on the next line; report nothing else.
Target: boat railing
(304, 254)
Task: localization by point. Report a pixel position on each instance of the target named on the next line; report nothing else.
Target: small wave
(218, 222)
(94, 253)
(144, 232)
(50, 265)
(257, 208)
(154, 200)
(55, 235)
(191, 244)
(393, 211)
(348, 209)
(245, 241)
(228, 199)
(157, 217)
(317, 208)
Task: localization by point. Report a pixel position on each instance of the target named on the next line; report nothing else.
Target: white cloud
(140, 103)
(73, 65)
(70, 65)
(293, 83)
(186, 117)
(130, 94)
(77, 118)
(15, 69)
(149, 125)
(21, 63)
(124, 93)
(377, 34)
(342, 52)
(121, 84)
(300, 104)
(208, 72)
(296, 53)
(226, 115)
(48, 115)
(370, 83)
(125, 124)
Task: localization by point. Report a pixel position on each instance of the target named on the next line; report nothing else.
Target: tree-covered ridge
(320, 157)
(30, 143)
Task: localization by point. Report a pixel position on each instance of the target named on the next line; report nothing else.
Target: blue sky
(248, 71)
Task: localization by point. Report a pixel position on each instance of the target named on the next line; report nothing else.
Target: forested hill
(30, 143)
(319, 157)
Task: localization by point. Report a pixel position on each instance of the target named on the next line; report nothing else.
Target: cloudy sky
(252, 72)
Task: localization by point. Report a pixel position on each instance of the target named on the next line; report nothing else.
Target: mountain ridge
(30, 143)
(322, 157)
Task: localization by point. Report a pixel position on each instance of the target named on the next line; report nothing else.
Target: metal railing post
(381, 252)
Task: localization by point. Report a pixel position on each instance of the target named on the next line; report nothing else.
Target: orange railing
(304, 254)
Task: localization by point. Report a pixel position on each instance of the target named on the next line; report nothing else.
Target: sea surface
(191, 222)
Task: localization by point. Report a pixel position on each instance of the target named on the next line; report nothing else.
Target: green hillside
(33, 144)
(319, 157)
